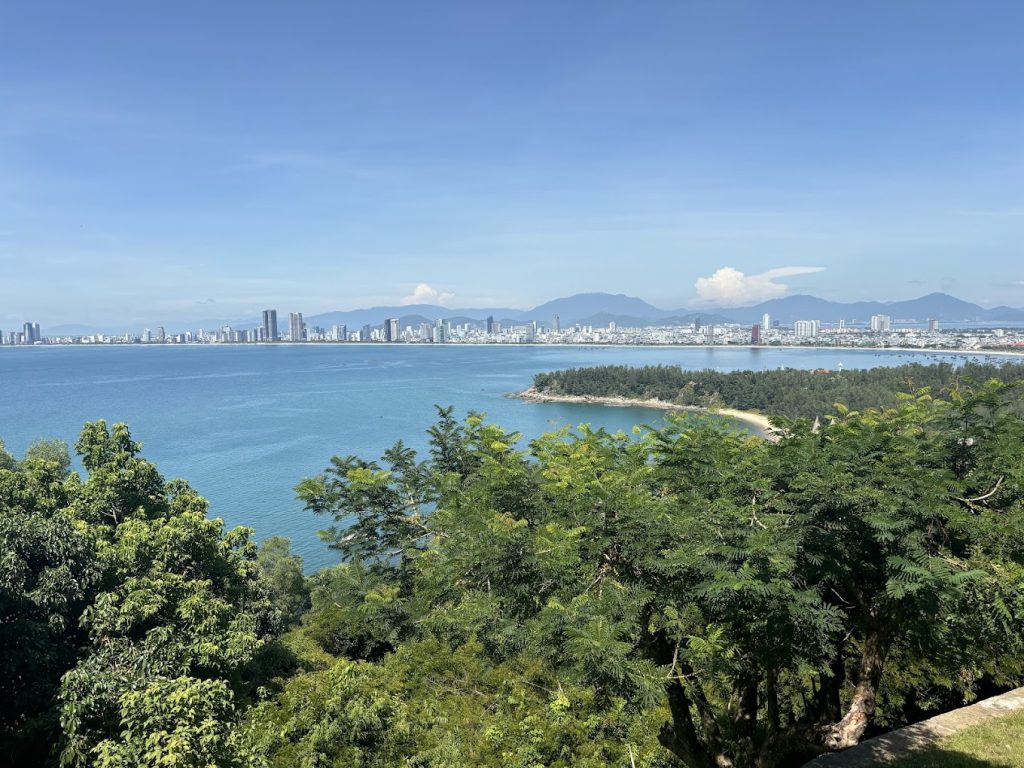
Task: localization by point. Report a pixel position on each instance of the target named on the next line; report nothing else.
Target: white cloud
(425, 294)
(730, 287)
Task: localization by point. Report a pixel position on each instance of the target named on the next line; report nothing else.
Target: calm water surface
(243, 424)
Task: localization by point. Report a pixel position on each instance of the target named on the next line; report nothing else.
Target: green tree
(179, 598)
(55, 451)
(48, 574)
(753, 592)
(282, 574)
(181, 722)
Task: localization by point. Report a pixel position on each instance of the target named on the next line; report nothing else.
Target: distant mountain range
(600, 309)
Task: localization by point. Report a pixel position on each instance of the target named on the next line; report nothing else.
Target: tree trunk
(826, 706)
(680, 737)
(744, 718)
(848, 731)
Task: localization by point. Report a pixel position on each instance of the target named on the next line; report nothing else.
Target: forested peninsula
(684, 597)
(788, 392)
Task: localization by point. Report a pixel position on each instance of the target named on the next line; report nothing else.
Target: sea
(245, 423)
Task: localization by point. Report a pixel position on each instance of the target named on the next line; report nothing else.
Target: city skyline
(586, 309)
(879, 331)
(212, 162)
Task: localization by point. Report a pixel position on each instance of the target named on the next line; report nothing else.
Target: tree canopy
(681, 596)
(789, 392)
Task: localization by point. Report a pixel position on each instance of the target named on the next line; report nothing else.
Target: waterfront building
(881, 323)
(391, 332)
(806, 329)
(270, 325)
(296, 327)
(755, 334)
(161, 334)
(557, 324)
(147, 336)
(766, 321)
(933, 326)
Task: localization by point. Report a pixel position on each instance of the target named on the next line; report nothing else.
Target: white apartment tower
(880, 323)
(806, 329)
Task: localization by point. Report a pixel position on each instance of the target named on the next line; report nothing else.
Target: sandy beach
(757, 420)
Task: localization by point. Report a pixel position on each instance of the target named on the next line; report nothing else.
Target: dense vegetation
(784, 392)
(686, 596)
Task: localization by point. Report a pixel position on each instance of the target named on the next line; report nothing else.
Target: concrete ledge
(889, 746)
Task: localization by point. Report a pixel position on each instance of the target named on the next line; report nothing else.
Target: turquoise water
(243, 424)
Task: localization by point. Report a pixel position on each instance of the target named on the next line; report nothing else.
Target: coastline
(958, 351)
(757, 420)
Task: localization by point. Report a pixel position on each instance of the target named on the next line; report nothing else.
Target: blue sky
(201, 159)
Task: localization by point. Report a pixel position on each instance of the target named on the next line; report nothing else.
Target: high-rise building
(296, 328)
(806, 329)
(755, 334)
(161, 334)
(31, 332)
(880, 323)
(766, 321)
(440, 332)
(490, 324)
(391, 332)
(933, 325)
(270, 325)
(557, 324)
(147, 336)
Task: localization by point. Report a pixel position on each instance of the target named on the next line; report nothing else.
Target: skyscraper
(557, 325)
(755, 334)
(296, 328)
(32, 334)
(490, 324)
(391, 331)
(766, 321)
(270, 325)
(806, 329)
(880, 322)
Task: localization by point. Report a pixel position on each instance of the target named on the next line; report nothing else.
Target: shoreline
(1018, 352)
(757, 420)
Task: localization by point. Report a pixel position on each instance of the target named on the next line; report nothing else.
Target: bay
(245, 423)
